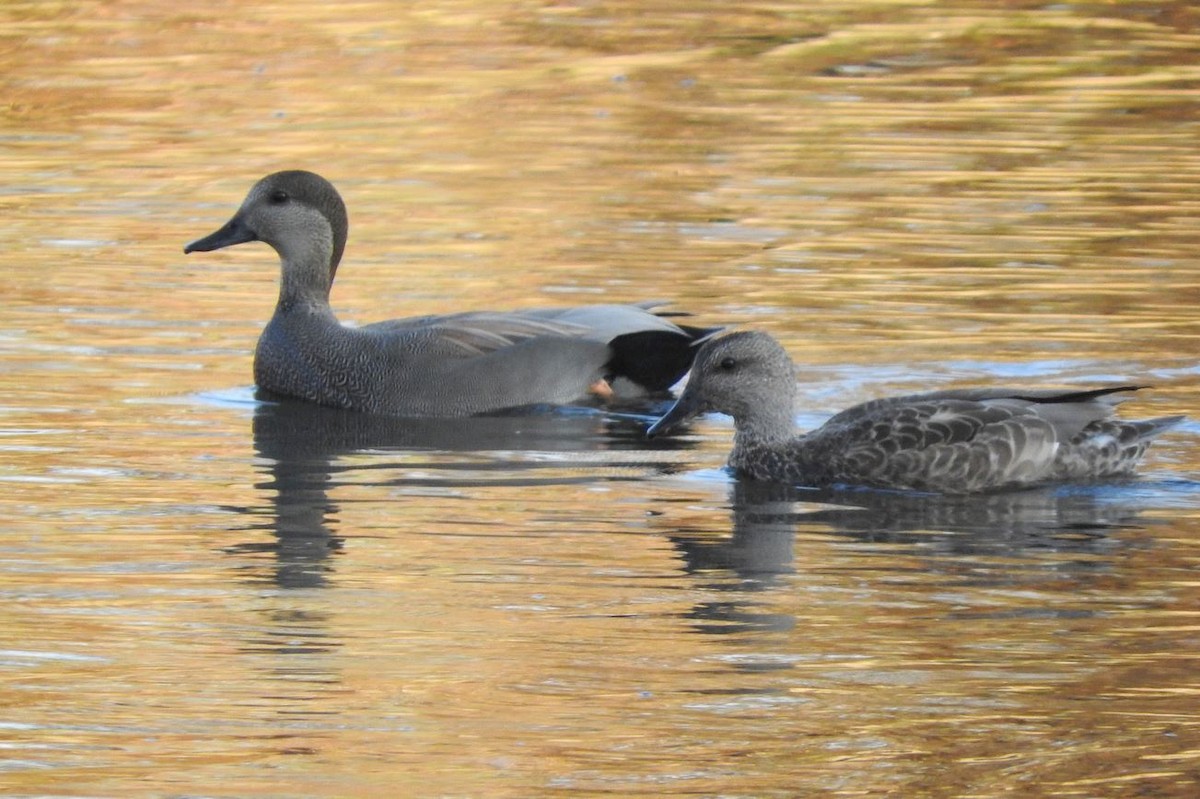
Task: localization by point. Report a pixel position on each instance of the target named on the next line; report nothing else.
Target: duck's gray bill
(683, 409)
(231, 233)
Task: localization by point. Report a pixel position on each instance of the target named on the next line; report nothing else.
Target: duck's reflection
(1067, 529)
(300, 445)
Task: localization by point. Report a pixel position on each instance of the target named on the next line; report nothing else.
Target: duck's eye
(727, 364)
(278, 197)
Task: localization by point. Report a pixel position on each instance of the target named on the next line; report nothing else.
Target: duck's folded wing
(477, 332)
(463, 372)
(606, 322)
(644, 351)
(1072, 408)
(947, 444)
(597, 322)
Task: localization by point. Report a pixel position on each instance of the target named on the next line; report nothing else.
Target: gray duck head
(746, 375)
(300, 214)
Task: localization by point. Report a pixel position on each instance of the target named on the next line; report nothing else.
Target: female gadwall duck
(455, 365)
(944, 441)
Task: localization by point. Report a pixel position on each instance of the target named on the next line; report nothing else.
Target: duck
(957, 441)
(457, 364)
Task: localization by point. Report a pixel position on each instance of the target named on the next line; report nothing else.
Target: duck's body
(452, 365)
(957, 441)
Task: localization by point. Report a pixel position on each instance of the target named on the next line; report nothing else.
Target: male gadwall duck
(455, 365)
(956, 441)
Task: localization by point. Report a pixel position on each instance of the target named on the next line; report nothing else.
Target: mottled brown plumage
(956, 441)
(452, 365)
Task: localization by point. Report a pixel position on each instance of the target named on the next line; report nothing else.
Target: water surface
(205, 594)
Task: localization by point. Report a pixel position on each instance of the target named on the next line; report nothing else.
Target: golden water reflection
(206, 594)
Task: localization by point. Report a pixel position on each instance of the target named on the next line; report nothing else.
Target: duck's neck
(756, 437)
(307, 273)
(764, 426)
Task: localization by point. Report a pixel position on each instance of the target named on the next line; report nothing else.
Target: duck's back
(964, 441)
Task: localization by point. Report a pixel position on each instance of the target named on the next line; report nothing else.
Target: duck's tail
(1110, 447)
(655, 360)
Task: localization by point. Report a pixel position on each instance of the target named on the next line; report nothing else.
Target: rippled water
(207, 595)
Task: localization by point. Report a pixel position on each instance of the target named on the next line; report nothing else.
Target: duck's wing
(1070, 411)
(464, 367)
(645, 351)
(939, 444)
(481, 362)
(530, 371)
(980, 439)
(476, 332)
(607, 321)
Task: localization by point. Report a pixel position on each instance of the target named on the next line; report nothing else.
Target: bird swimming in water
(955, 441)
(452, 365)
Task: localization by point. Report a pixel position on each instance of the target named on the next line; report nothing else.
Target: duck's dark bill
(680, 412)
(233, 232)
